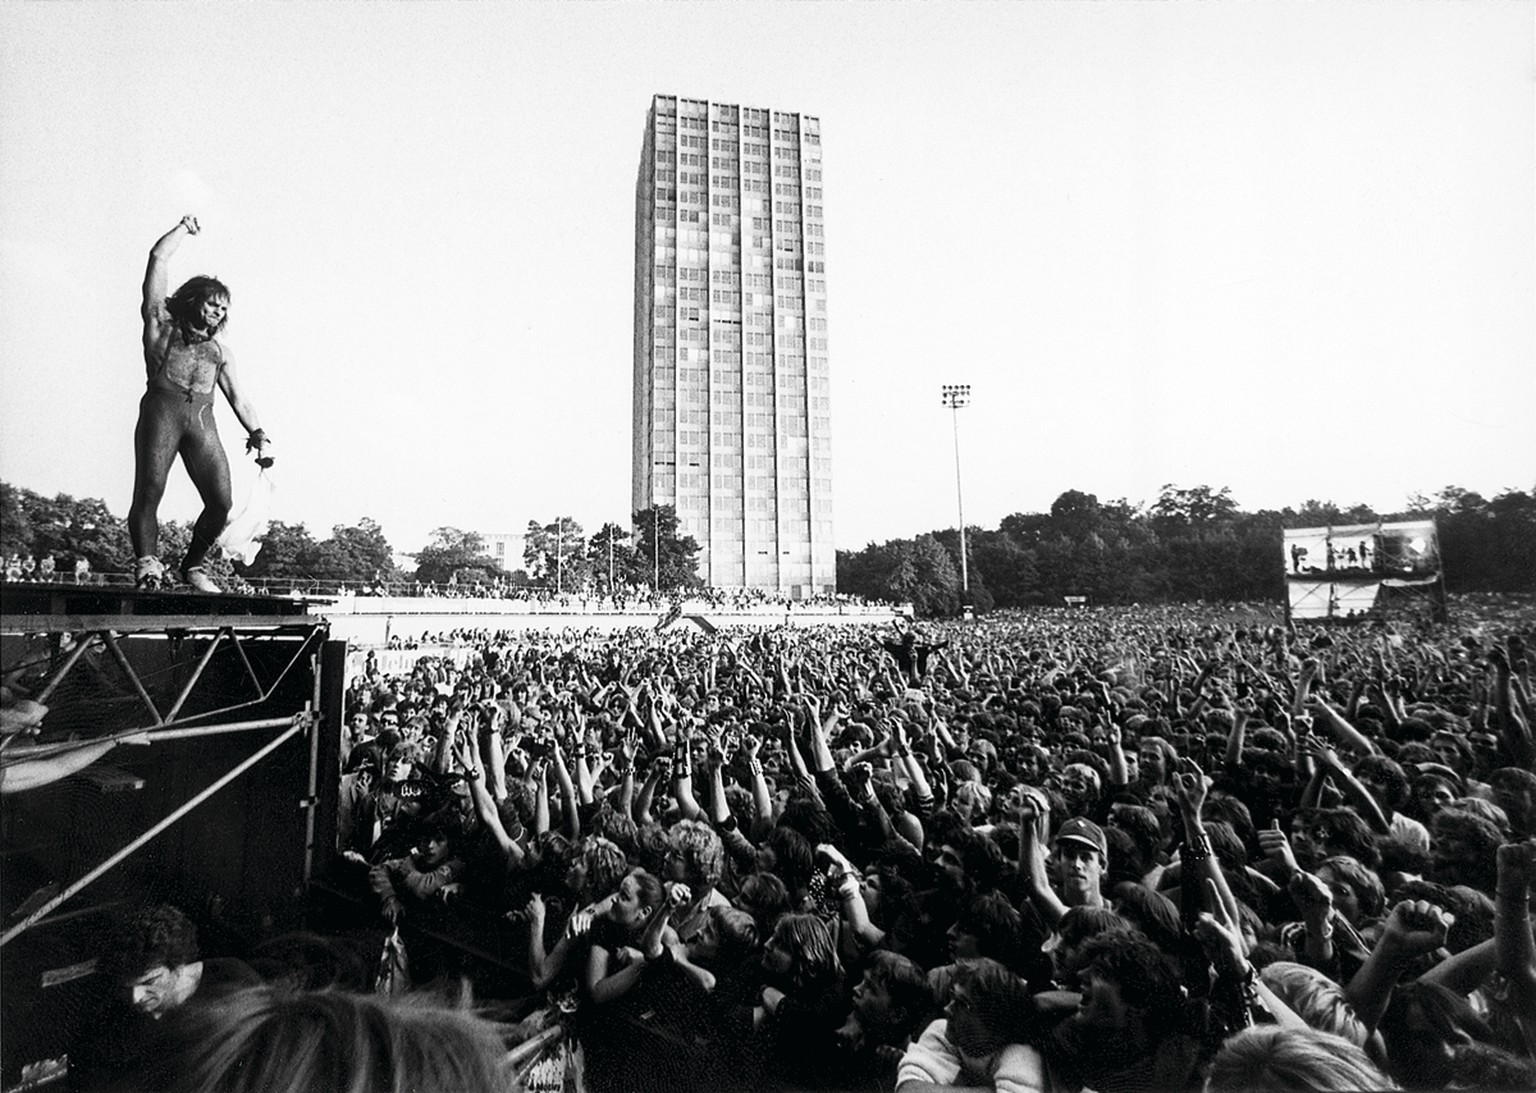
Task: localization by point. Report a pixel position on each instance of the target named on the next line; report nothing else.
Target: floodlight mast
(957, 396)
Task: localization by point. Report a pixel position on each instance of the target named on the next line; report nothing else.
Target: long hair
(1274, 1059)
(186, 303)
(267, 1040)
(812, 944)
(1317, 1000)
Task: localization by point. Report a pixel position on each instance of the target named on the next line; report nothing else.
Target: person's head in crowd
(697, 856)
(1464, 848)
(1033, 764)
(362, 726)
(763, 896)
(972, 801)
(1079, 785)
(1316, 999)
(436, 844)
(595, 869)
(889, 896)
(1073, 931)
(552, 851)
(1453, 750)
(1514, 790)
(1125, 860)
(983, 753)
(1157, 760)
(1424, 1026)
(1153, 913)
(1282, 1059)
(971, 861)
(891, 1001)
(1489, 811)
(965, 771)
(1358, 894)
(989, 1008)
(1386, 780)
(268, 1040)
(802, 950)
(1490, 1067)
(1433, 791)
(986, 926)
(1144, 829)
(616, 827)
(1081, 856)
(155, 958)
(786, 853)
(639, 893)
(805, 814)
(1318, 833)
(1131, 992)
(400, 762)
(726, 937)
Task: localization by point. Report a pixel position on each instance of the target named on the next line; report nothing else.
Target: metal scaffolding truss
(98, 636)
(72, 636)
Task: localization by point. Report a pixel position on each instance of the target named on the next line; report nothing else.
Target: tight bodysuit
(176, 417)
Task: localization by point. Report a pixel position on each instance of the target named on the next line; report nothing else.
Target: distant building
(732, 421)
(504, 548)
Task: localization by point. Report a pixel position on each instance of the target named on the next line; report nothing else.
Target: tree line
(1189, 544)
(558, 555)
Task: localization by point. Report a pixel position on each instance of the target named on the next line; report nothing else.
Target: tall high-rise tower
(731, 414)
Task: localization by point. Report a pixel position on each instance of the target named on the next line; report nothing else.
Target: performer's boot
(148, 574)
(197, 577)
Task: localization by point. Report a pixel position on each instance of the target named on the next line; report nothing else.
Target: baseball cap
(1084, 831)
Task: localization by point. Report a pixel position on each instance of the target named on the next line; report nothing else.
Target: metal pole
(965, 570)
(656, 545)
(559, 551)
(189, 732)
(74, 889)
(957, 396)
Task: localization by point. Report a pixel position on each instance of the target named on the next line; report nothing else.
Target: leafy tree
(1076, 514)
(920, 571)
(556, 554)
(15, 524)
(64, 527)
(355, 553)
(288, 551)
(611, 556)
(1006, 568)
(456, 556)
(1198, 508)
(659, 548)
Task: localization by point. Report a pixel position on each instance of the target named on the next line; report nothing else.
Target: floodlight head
(955, 395)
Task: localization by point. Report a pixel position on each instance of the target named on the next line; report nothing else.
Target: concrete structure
(732, 421)
(504, 548)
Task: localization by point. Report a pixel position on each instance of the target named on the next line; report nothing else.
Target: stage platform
(40, 608)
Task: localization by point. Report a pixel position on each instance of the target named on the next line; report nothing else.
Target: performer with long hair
(185, 361)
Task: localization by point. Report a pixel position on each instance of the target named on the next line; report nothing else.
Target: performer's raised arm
(155, 280)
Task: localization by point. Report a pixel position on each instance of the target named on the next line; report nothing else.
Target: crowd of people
(1121, 849)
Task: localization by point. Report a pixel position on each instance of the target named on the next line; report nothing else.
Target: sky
(1284, 248)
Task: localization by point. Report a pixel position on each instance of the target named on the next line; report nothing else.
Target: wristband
(1199, 847)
